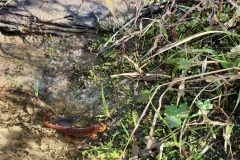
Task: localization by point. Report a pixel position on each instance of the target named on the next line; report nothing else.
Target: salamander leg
(94, 138)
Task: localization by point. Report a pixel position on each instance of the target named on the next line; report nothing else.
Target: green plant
(36, 89)
(174, 114)
(204, 107)
(105, 108)
(51, 51)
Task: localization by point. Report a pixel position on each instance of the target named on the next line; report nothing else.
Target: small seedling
(204, 107)
(36, 89)
(174, 114)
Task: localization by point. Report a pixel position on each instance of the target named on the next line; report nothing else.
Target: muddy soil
(58, 69)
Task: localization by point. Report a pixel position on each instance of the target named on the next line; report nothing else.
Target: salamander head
(100, 127)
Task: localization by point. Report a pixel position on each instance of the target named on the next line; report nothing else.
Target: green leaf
(238, 64)
(205, 149)
(36, 89)
(210, 51)
(207, 28)
(204, 105)
(184, 63)
(224, 17)
(171, 110)
(235, 49)
(192, 23)
(180, 112)
(203, 112)
(227, 64)
(164, 32)
(183, 110)
(135, 117)
(173, 121)
(125, 129)
(105, 108)
(172, 61)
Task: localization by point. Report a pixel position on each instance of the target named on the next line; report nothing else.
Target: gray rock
(59, 16)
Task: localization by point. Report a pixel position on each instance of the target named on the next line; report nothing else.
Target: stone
(61, 17)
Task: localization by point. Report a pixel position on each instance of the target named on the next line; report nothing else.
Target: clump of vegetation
(175, 70)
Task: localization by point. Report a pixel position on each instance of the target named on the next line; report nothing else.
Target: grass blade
(111, 7)
(105, 109)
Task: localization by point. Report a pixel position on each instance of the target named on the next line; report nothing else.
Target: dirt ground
(58, 68)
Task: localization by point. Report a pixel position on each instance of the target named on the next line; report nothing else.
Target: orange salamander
(76, 132)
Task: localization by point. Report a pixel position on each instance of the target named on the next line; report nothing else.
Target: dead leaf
(204, 66)
(174, 35)
(134, 149)
(155, 144)
(180, 91)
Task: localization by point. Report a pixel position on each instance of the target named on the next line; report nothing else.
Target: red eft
(76, 132)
